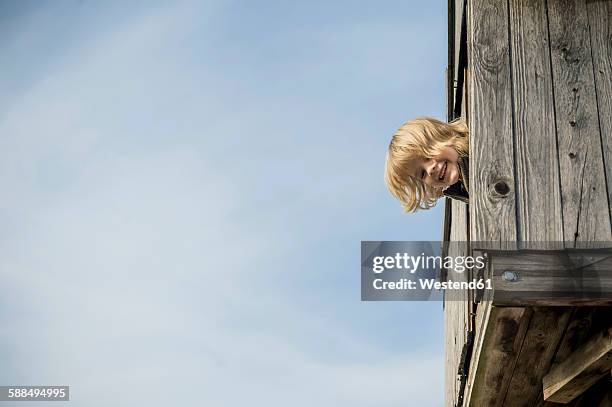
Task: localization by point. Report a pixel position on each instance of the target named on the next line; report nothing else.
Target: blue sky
(186, 185)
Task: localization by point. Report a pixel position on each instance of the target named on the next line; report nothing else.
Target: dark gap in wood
(576, 234)
(451, 51)
(596, 395)
(514, 148)
(462, 62)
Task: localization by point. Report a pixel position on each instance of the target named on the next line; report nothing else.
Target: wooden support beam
(585, 323)
(572, 377)
(499, 336)
(546, 329)
(551, 278)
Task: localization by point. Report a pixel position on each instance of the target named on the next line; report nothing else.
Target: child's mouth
(443, 173)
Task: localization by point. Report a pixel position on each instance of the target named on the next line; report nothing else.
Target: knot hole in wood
(501, 188)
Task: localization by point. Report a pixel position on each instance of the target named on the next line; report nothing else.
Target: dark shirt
(460, 189)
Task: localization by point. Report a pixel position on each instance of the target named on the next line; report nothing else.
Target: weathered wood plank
(499, 331)
(600, 29)
(599, 395)
(580, 370)
(546, 329)
(584, 323)
(538, 196)
(456, 309)
(455, 329)
(552, 278)
(492, 206)
(583, 186)
(499, 335)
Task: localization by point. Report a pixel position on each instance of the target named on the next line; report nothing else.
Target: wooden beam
(599, 395)
(499, 336)
(585, 322)
(546, 329)
(551, 278)
(580, 370)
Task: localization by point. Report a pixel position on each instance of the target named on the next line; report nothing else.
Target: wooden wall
(539, 83)
(538, 94)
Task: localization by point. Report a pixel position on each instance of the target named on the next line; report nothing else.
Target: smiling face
(440, 171)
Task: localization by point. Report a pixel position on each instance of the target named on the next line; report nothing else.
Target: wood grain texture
(584, 323)
(552, 278)
(546, 329)
(499, 335)
(583, 187)
(539, 89)
(498, 331)
(538, 196)
(493, 215)
(600, 30)
(599, 395)
(456, 309)
(583, 368)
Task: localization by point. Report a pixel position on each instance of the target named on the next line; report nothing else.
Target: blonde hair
(421, 137)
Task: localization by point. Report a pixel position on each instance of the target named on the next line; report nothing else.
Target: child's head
(422, 160)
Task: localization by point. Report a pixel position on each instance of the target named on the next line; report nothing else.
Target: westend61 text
(431, 283)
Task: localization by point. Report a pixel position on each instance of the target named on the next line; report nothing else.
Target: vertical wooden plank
(455, 314)
(492, 201)
(600, 30)
(583, 186)
(455, 338)
(538, 196)
(455, 307)
(492, 207)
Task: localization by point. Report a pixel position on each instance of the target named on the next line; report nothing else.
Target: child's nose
(431, 167)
